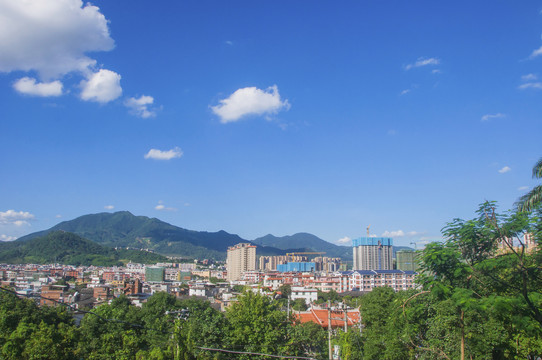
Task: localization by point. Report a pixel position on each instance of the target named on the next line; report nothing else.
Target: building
(373, 253)
(367, 280)
(296, 267)
(307, 294)
(406, 260)
(241, 258)
(339, 318)
(154, 274)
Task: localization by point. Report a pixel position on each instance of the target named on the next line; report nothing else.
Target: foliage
(533, 198)
(257, 324)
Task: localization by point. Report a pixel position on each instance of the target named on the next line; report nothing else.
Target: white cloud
(156, 154)
(344, 240)
(102, 86)
(397, 233)
(109, 207)
(404, 92)
(523, 188)
(58, 216)
(536, 53)
(17, 218)
(530, 85)
(140, 106)
(250, 101)
(162, 207)
(505, 169)
(488, 117)
(4, 237)
(51, 37)
(423, 62)
(529, 77)
(28, 86)
(436, 71)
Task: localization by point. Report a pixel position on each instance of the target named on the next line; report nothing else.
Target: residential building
(367, 280)
(309, 295)
(241, 258)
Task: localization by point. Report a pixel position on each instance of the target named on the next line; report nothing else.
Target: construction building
(406, 260)
(373, 253)
(241, 258)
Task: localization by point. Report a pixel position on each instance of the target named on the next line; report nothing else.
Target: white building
(309, 295)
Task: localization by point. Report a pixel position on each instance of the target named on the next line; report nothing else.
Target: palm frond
(531, 200)
(537, 169)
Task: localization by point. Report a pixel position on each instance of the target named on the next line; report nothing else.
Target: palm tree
(533, 198)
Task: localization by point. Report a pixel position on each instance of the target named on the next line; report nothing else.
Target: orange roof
(320, 317)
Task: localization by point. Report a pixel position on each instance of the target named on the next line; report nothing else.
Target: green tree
(482, 274)
(381, 317)
(308, 339)
(257, 325)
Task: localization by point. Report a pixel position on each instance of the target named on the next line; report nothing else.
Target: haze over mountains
(123, 229)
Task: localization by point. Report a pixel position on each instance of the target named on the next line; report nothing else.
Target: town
(89, 286)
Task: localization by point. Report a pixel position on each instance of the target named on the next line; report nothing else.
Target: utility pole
(345, 319)
(329, 329)
(288, 308)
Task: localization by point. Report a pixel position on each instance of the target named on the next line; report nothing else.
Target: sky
(273, 117)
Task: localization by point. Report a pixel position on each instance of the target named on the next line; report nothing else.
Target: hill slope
(127, 230)
(68, 248)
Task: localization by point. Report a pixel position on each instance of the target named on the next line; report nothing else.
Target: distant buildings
(373, 253)
(241, 258)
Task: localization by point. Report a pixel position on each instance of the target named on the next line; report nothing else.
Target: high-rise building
(241, 258)
(373, 253)
(406, 260)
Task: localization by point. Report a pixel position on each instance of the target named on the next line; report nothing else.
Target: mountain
(306, 241)
(68, 248)
(123, 229)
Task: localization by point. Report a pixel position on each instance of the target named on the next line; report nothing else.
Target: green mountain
(68, 248)
(307, 241)
(123, 229)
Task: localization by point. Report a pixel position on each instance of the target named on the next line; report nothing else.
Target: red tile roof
(320, 317)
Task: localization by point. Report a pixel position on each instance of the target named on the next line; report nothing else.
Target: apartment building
(241, 258)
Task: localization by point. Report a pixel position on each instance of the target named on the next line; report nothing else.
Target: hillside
(68, 248)
(127, 230)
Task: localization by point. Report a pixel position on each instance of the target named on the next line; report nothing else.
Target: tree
(533, 198)
(257, 325)
(482, 274)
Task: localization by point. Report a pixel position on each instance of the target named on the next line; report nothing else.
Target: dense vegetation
(68, 248)
(155, 331)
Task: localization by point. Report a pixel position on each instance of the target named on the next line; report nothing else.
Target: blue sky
(268, 117)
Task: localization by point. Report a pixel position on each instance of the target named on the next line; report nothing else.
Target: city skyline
(258, 118)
